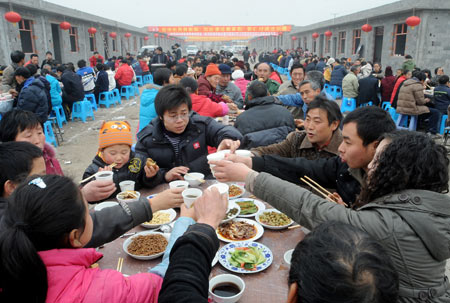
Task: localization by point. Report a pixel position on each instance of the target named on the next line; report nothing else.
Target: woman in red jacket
(387, 84)
(406, 74)
(124, 75)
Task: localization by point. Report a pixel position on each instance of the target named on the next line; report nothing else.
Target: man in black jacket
(265, 121)
(368, 88)
(73, 87)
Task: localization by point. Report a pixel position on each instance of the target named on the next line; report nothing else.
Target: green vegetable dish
(247, 207)
(274, 218)
(247, 258)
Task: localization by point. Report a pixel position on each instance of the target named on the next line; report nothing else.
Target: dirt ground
(81, 139)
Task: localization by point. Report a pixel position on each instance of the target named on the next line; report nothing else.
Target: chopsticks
(119, 264)
(321, 191)
(294, 227)
(89, 178)
(195, 178)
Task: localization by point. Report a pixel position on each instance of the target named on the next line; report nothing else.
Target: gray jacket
(233, 92)
(8, 80)
(412, 225)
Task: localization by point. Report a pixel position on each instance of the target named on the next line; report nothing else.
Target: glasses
(184, 116)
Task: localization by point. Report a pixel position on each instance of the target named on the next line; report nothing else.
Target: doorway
(321, 46)
(106, 44)
(334, 47)
(56, 43)
(378, 47)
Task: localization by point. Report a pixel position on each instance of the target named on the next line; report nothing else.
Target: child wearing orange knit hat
(115, 154)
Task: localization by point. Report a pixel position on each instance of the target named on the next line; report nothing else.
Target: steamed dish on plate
(234, 191)
(247, 207)
(274, 218)
(128, 195)
(159, 218)
(237, 230)
(231, 213)
(147, 245)
(247, 258)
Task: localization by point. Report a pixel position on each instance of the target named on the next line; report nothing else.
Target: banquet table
(269, 285)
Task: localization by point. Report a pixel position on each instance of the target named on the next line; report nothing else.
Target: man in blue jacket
(442, 94)
(338, 74)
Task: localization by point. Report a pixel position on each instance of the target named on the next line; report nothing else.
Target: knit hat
(237, 74)
(115, 132)
(225, 69)
(330, 61)
(212, 70)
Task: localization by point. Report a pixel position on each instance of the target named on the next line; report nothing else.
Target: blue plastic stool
(335, 92)
(326, 87)
(393, 113)
(58, 112)
(127, 91)
(107, 99)
(91, 98)
(386, 105)
(136, 88)
(443, 121)
(82, 110)
(116, 95)
(49, 134)
(406, 122)
(366, 104)
(139, 81)
(348, 104)
(148, 79)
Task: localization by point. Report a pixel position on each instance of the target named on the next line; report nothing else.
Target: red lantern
(13, 17)
(265, 37)
(315, 35)
(127, 35)
(92, 30)
(113, 35)
(162, 36)
(146, 38)
(366, 28)
(328, 34)
(413, 21)
(156, 35)
(65, 25)
(294, 38)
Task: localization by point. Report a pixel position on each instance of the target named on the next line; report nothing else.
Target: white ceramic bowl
(223, 279)
(151, 257)
(192, 181)
(172, 215)
(188, 201)
(104, 175)
(118, 197)
(271, 226)
(179, 184)
(126, 185)
(105, 204)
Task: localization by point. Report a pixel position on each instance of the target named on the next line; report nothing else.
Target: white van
(147, 50)
(192, 50)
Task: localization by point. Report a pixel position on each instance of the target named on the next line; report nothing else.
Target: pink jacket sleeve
(225, 108)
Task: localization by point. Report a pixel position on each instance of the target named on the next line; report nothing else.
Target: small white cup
(221, 187)
(179, 184)
(220, 279)
(216, 157)
(243, 153)
(104, 175)
(126, 185)
(190, 195)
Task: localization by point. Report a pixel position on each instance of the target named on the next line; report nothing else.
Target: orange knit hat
(212, 70)
(115, 132)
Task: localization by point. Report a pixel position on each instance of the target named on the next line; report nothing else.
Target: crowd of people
(381, 236)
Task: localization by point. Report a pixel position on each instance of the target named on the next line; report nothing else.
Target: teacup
(104, 175)
(226, 288)
(190, 195)
(179, 184)
(126, 185)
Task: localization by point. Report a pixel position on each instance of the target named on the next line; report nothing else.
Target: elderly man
(227, 88)
(263, 72)
(297, 73)
(8, 80)
(350, 84)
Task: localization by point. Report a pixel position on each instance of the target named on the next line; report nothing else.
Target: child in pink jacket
(42, 259)
(239, 80)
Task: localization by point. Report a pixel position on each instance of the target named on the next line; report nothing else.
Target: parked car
(192, 50)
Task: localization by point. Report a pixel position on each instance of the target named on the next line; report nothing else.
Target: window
(114, 46)
(327, 45)
(356, 40)
(26, 35)
(342, 42)
(134, 43)
(92, 42)
(73, 34)
(400, 31)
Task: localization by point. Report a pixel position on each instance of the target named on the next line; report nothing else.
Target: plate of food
(233, 211)
(160, 218)
(235, 191)
(245, 257)
(128, 196)
(146, 245)
(240, 230)
(249, 207)
(273, 219)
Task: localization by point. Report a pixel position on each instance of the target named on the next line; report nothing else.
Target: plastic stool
(386, 105)
(335, 92)
(443, 121)
(58, 112)
(107, 99)
(139, 81)
(127, 91)
(366, 104)
(116, 95)
(82, 110)
(406, 122)
(49, 134)
(348, 104)
(148, 79)
(136, 88)
(393, 113)
(91, 98)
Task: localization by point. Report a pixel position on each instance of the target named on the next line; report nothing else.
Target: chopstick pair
(119, 264)
(319, 188)
(89, 178)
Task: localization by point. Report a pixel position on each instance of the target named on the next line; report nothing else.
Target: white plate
(106, 204)
(288, 256)
(231, 205)
(240, 195)
(271, 226)
(215, 260)
(259, 231)
(258, 204)
(172, 213)
(143, 233)
(225, 253)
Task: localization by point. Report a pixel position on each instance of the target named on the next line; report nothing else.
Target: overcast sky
(230, 12)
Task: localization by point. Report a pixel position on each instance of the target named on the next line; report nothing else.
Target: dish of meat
(240, 230)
